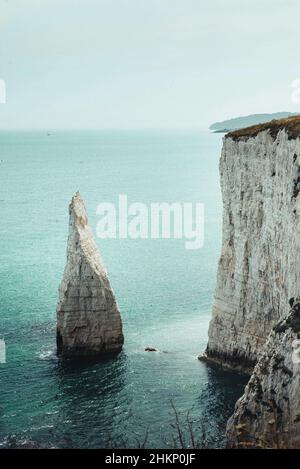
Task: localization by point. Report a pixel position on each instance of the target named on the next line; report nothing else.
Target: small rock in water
(151, 349)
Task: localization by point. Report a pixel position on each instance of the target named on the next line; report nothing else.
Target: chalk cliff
(259, 265)
(268, 414)
(88, 318)
(259, 279)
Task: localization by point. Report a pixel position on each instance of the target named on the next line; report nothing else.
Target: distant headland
(247, 121)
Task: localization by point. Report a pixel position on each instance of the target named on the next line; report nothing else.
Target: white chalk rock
(88, 318)
(253, 325)
(259, 265)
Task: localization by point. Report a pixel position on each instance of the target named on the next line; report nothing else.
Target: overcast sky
(146, 63)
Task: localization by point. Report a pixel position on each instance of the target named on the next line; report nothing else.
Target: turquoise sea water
(164, 291)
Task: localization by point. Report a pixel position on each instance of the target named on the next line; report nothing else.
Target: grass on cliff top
(290, 124)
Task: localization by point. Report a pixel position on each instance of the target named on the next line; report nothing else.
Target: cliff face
(268, 414)
(88, 318)
(253, 325)
(259, 265)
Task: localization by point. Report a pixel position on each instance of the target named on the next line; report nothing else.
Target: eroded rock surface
(259, 265)
(256, 313)
(88, 318)
(268, 414)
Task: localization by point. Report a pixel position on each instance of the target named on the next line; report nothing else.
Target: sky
(146, 63)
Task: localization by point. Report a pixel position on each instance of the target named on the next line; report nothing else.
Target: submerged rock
(88, 318)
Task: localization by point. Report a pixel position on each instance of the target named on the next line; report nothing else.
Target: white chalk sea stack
(258, 280)
(88, 319)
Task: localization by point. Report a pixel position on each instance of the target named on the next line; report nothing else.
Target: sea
(164, 291)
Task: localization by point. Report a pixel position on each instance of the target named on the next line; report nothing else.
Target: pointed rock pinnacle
(88, 318)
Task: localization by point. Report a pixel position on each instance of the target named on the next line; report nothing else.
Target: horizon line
(124, 129)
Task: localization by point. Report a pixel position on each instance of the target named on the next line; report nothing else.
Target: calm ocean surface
(164, 291)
